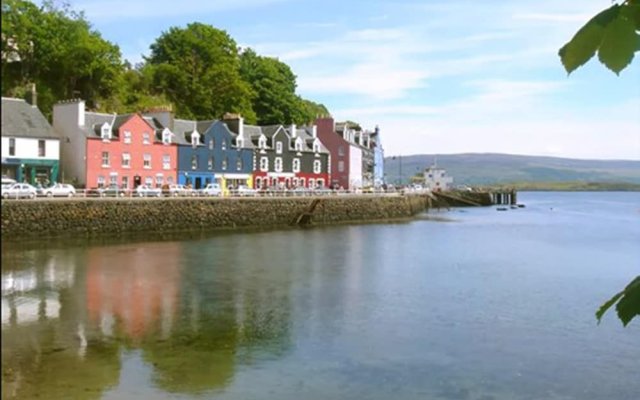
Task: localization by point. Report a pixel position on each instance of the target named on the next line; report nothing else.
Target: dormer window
(316, 146)
(240, 142)
(279, 147)
(105, 132)
(166, 136)
(195, 138)
(262, 142)
(299, 144)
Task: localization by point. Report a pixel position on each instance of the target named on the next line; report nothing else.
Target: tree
(55, 48)
(197, 69)
(613, 33)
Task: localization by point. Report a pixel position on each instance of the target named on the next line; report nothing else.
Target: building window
(240, 142)
(145, 138)
(278, 164)
(296, 165)
(312, 183)
(194, 162)
(239, 163)
(224, 144)
(126, 160)
(159, 180)
(125, 182)
(148, 181)
(105, 132)
(341, 151)
(147, 161)
(105, 159)
(127, 137)
(262, 142)
(166, 161)
(320, 182)
(166, 137)
(317, 166)
(302, 182)
(100, 181)
(340, 166)
(224, 162)
(299, 144)
(316, 146)
(195, 138)
(211, 144)
(170, 180)
(264, 164)
(279, 147)
(113, 180)
(210, 163)
(295, 181)
(12, 147)
(41, 148)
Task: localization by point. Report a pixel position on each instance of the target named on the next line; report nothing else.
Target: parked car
(300, 191)
(19, 190)
(244, 190)
(322, 190)
(6, 182)
(108, 191)
(179, 190)
(148, 191)
(59, 189)
(212, 189)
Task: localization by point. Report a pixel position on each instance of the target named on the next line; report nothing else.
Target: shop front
(43, 172)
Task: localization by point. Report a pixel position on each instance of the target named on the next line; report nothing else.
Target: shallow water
(466, 304)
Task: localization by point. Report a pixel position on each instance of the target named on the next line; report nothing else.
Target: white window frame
(239, 163)
(159, 180)
(298, 144)
(166, 161)
(225, 163)
(262, 142)
(100, 181)
(223, 145)
(210, 163)
(317, 166)
(320, 182)
(264, 164)
(195, 138)
(145, 138)
(42, 153)
(125, 182)
(278, 147)
(113, 180)
(312, 183)
(126, 137)
(105, 132)
(146, 161)
(240, 142)
(166, 137)
(12, 146)
(277, 164)
(148, 180)
(126, 160)
(295, 166)
(316, 147)
(303, 182)
(194, 161)
(106, 157)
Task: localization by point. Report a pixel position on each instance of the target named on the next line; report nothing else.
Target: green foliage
(628, 303)
(611, 33)
(55, 48)
(197, 69)
(274, 85)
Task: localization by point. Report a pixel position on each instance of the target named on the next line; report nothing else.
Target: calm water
(468, 304)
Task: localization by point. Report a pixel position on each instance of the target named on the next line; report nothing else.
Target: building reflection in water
(194, 309)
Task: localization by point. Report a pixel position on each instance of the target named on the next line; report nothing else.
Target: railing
(255, 193)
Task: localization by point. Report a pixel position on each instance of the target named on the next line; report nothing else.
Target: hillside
(489, 168)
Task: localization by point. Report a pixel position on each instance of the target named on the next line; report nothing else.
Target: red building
(339, 151)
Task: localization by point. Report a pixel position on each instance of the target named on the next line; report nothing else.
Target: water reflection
(69, 315)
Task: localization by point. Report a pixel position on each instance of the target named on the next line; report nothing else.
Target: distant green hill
(496, 169)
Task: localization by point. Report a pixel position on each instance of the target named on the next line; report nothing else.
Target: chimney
(69, 112)
(34, 96)
(163, 114)
(292, 130)
(240, 126)
(314, 131)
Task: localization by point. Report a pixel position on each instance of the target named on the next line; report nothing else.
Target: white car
(19, 190)
(6, 182)
(59, 189)
(244, 190)
(148, 191)
(212, 189)
(180, 190)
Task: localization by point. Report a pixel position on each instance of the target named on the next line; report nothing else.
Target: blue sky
(436, 76)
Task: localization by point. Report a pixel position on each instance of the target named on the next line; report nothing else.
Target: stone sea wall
(95, 217)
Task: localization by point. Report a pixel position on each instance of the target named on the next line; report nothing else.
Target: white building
(436, 179)
(30, 147)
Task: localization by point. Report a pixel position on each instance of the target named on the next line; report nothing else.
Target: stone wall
(94, 217)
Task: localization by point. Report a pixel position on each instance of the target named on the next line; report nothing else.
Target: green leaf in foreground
(628, 301)
(586, 41)
(618, 44)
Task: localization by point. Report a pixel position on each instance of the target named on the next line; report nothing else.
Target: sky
(442, 76)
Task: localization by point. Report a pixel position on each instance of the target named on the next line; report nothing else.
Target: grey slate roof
(20, 119)
(93, 121)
